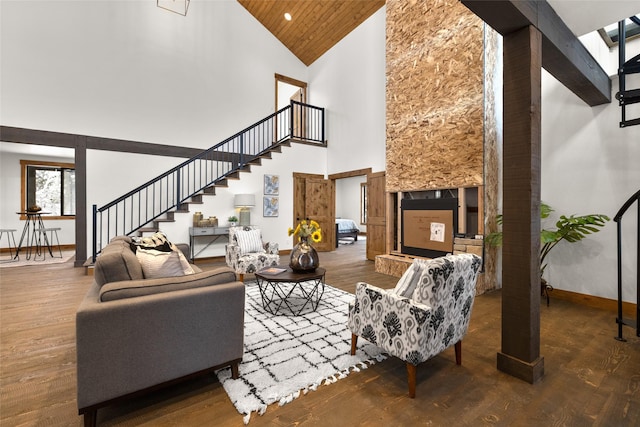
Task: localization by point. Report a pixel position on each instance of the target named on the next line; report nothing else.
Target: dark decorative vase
(304, 257)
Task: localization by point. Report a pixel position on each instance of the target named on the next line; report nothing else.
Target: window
(610, 33)
(50, 185)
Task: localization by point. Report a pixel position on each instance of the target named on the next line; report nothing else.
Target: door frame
(293, 82)
(349, 174)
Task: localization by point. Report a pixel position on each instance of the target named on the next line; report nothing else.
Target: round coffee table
(281, 287)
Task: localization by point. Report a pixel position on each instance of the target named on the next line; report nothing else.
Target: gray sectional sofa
(135, 334)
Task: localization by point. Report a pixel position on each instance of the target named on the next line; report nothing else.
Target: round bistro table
(290, 289)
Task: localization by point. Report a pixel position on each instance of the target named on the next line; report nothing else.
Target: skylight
(610, 32)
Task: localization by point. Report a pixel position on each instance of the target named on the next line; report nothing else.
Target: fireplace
(428, 225)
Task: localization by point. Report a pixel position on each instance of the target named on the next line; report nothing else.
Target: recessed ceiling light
(287, 16)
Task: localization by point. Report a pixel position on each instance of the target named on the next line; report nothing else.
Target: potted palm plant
(572, 229)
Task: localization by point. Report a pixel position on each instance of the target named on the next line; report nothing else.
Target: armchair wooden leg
(354, 342)
(241, 277)
(458, 347)
(411, 378)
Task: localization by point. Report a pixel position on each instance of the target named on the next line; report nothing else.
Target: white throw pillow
(249, 241)
(156, 264)
(409, 280)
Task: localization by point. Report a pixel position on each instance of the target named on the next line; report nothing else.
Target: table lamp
(243, 202)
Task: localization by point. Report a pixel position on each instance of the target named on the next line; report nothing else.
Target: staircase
(627, 97)
(620, 320)
(144, 208)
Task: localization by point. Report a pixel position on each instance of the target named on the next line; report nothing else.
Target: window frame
(611, 36)
(23, 184)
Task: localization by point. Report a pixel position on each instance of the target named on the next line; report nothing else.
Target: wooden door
(376, 215)
(314, 198)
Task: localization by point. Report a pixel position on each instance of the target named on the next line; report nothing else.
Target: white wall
(589, 165)
(130, 70)
(349, 81)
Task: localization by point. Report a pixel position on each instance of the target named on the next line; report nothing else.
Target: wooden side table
(291, 290)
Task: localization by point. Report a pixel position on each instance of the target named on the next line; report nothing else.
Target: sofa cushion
(117, 262)
(125, 238)
(157, 263)
(249, 241)
(136, 288)
(157, 241)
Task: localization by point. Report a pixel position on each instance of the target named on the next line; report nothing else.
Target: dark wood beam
(520, 355)
(38, 137)
(110, 144)
(69, 140)
(563, 55)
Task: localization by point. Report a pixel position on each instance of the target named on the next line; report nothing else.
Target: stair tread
(632, 122)
(628, 97)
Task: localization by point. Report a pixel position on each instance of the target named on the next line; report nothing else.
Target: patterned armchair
(247, 253)
(427, 312)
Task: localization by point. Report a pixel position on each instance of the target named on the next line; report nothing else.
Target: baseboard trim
(628, 309)
(24, 248)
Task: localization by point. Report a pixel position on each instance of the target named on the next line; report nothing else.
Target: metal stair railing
(146, 203)
(626, 96)
(620, 320)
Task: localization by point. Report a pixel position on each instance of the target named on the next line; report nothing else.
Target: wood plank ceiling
(315, 26)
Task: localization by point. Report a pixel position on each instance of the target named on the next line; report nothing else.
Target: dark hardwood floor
(590, 378)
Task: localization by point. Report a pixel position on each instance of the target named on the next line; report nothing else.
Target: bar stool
(42, 232)
(10, 237)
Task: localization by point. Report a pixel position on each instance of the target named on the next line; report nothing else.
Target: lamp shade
(244, 200)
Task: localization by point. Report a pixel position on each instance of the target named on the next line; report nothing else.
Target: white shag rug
(288, 356)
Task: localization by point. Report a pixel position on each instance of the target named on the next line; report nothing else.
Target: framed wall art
(271, 185)
(270, 206)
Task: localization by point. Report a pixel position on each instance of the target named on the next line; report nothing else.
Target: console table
(212, 234)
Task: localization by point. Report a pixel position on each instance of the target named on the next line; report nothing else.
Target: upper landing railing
(168, 191)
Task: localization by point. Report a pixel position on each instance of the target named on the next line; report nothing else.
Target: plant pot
(304, 257)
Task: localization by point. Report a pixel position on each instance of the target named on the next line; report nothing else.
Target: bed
(346, 228)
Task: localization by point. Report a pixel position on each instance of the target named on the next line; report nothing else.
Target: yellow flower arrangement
(307, 228)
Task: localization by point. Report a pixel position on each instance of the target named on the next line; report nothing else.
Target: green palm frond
(572, 229)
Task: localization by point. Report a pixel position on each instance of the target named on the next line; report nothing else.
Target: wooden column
(81, 200)
(520, 355)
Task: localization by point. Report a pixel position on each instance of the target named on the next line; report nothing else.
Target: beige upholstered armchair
(247, 253)
(427, 312)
